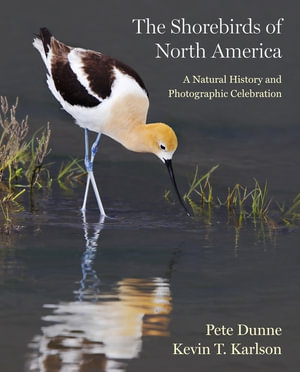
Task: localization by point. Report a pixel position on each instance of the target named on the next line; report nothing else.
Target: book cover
(200, 272)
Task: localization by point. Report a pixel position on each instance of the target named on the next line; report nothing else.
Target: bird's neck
(138, 138)
(126, 122)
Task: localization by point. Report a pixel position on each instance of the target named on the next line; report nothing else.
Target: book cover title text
(221, 27)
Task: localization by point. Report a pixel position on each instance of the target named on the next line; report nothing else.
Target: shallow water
(78, 294)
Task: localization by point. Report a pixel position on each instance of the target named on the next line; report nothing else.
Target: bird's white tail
(38, 44)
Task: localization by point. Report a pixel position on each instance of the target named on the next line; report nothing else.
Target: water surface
(84, 295)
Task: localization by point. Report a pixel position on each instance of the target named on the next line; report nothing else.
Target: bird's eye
(162, 147)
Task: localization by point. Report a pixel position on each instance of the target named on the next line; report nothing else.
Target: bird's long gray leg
(90, 177)
(87, 163)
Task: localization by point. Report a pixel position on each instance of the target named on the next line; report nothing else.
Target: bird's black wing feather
(99, 69)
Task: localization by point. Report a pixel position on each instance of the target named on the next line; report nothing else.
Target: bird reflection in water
(101, 331)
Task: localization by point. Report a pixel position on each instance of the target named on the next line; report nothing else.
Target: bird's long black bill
(171, 173)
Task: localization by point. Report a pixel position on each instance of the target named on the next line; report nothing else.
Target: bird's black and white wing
(87, 83)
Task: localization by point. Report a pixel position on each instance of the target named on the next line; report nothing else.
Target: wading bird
(107, 97)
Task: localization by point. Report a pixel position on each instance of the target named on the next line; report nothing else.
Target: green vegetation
(21, 159)
(243, 205)
(70, 173)
(22, 163)
(202, 187)
(290, 214)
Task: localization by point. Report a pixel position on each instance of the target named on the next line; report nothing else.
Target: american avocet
(105, 96)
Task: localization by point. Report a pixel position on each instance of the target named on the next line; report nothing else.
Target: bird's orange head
(161, 140)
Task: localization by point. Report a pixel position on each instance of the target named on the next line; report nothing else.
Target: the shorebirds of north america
(107, 97)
